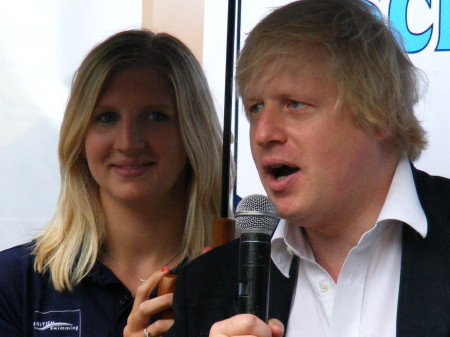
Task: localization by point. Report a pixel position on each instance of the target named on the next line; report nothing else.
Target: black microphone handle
(254, 275)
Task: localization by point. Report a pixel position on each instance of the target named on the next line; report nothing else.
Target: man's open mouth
(281, 171)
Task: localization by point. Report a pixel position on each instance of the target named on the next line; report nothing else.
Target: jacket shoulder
(217, 258)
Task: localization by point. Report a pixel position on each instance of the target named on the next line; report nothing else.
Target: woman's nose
(130, 136)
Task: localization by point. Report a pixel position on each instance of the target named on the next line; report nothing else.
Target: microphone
(256, 217)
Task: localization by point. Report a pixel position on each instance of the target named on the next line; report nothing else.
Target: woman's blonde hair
(70, 244)
(373, 73)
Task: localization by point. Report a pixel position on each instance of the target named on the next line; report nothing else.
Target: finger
(241, 325)
(138, 319)
(145, 289)
(160, 327)
(277, 327)
(155, 305)
(206, 249)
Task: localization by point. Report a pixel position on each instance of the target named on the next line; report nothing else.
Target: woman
(140, 148)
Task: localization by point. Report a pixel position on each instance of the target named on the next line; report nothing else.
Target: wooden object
(166, 286)
(223, 231)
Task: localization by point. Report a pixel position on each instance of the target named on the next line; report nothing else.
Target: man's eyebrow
(251, 99)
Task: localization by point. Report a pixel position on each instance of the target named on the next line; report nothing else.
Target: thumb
(276, 327)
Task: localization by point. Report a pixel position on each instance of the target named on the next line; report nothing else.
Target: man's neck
(332, 241)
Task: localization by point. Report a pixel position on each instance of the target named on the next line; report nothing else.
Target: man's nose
(269, 127)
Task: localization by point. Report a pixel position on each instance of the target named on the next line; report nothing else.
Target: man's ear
(383, 133)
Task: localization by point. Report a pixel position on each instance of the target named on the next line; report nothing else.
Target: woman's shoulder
(17, 255)
(22, 289)
(16, 262)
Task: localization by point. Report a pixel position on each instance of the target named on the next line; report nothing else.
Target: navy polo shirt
(30, 306)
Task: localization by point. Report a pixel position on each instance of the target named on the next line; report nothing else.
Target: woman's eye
(106, 117)
(157, 116)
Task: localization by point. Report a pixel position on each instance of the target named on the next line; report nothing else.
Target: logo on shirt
(57, 323)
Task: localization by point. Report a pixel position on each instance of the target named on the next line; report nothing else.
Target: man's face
(315, 163)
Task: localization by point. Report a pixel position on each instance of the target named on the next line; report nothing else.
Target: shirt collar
(101, 274)
(401, 204)
(280, 252)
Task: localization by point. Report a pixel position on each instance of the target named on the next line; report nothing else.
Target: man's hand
(247, 325)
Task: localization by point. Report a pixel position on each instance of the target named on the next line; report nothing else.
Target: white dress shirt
(363, 301)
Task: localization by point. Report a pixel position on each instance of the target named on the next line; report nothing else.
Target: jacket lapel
(424, 297)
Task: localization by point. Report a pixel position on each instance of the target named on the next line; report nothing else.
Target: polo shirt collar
(101, 274)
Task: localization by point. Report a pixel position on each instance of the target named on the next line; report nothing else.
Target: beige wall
(181, 18)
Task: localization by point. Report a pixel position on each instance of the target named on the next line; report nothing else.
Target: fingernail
(164, 269)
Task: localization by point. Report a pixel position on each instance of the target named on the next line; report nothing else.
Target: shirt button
(123, 299)
(323, 287)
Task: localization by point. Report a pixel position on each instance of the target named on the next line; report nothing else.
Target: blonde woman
(140, 153)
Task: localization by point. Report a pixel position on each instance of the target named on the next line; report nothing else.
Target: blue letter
(444, 26)
(398, 16)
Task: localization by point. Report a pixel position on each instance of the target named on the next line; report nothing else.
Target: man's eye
(106, 117)
(157, 116)
(256, 108)
(295, 104)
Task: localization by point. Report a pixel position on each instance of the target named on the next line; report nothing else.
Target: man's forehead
(284, 74)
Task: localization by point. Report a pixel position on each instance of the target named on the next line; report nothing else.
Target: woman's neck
(142, 240)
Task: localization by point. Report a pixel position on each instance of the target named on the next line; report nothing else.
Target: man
(364, 245)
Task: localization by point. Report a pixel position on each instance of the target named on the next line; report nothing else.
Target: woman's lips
(132, 170)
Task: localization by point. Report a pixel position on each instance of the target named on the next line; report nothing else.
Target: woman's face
(133, 145)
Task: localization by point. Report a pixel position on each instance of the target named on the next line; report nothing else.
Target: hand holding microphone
(247, 325)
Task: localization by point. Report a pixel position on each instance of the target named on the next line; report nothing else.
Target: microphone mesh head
(256, 213)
